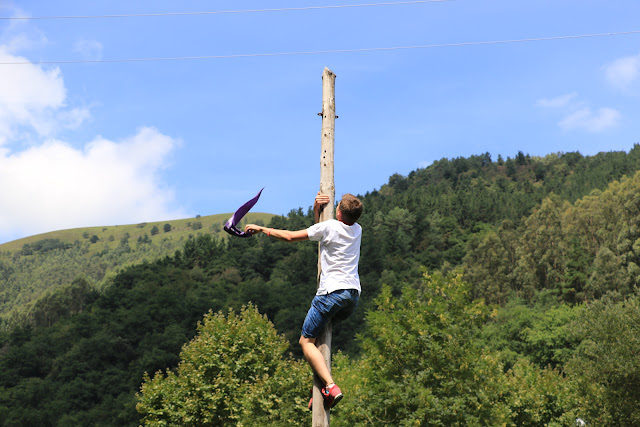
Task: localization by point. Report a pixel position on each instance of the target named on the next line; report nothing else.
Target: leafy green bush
(539, 334)
(421, 362)
(606, 366)
(538, 397)
(232, 372)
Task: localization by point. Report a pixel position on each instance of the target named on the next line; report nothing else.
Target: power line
(138, 15)
(372, 49)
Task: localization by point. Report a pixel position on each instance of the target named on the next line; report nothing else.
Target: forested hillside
(495, 292)
(34, 267)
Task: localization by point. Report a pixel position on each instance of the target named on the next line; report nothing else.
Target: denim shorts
(335, 306)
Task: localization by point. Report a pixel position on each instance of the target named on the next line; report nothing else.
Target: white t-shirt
(339, 255)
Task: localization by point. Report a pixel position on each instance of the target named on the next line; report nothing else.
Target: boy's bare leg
(315, 359)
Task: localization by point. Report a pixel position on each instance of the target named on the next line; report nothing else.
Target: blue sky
(107, 143)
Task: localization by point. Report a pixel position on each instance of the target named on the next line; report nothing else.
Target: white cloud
(579, 116)
(623, 72)
(590, 121)
(89, 49)
(33, 99)
(55, 186)
(73, 118)
(50, 184)
(18, 35)
(557, 102)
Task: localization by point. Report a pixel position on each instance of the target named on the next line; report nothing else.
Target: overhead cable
(315, 52)
(138, 15)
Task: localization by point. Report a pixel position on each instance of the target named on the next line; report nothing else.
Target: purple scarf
(230, 226)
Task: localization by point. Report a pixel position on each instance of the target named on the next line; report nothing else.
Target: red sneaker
(332, 395)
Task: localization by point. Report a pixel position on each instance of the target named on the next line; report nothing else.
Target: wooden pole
(327, 186)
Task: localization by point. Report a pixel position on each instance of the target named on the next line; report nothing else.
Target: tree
(154, 230)
(232, 372)
(575, 272)
(487, 267)
(511, 168)
(539, 397)
(607, 275)
(606, 366)
(167, 228)
(422, 363)
(541, 251)
(395, 230)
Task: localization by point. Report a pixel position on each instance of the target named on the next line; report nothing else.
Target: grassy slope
(180, 228)
(32, 276)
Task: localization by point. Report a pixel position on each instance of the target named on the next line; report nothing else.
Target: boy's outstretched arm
(284, 235)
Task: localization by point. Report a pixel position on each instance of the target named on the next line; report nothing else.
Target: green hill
(534, 237)
(180, 228)
(33, 265)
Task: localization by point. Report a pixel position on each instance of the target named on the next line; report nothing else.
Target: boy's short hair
(350, 207)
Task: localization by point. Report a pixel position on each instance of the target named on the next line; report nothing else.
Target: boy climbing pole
(339, 288)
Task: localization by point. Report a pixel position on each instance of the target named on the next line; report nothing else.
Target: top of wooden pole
(320, 414)
(328, 126)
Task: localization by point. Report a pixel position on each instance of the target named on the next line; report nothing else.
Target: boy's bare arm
(284, 235)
